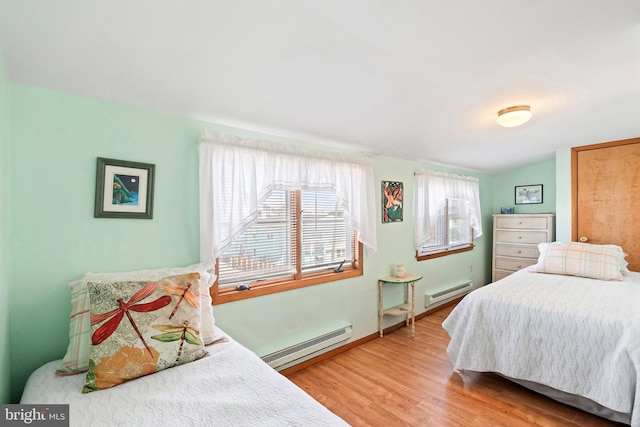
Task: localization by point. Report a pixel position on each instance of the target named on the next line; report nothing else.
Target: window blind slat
(267, 248)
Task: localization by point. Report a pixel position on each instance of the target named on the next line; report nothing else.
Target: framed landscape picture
(124, 189)
(528, 194)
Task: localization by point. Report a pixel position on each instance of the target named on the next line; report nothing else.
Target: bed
(144, 350)
(230, 387)
(575, 339)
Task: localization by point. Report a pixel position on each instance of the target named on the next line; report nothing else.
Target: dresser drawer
(509, 236)
(520, 251)
(513, 264)
(500, 274)
(529, 223)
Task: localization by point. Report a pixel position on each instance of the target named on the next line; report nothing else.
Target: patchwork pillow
(141, 327)
(604, 262)
(76, 359)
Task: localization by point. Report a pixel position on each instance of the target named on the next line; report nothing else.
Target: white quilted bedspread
(231, 387)
(577, 335)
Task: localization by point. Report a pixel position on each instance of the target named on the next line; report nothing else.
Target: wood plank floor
(399, 381)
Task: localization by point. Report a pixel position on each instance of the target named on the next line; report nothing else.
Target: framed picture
(528, 194)
(392, 194)
(124, 189)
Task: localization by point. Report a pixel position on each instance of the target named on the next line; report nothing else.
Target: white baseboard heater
(452, 291)
(306, 348)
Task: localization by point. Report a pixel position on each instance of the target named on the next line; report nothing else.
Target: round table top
(407, 278)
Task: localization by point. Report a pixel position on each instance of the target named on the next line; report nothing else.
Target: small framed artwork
(528, 194)
(124, 189)
(392, 205)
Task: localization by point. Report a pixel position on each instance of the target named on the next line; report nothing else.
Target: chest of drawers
(515, 241)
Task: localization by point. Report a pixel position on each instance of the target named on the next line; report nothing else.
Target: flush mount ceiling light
(514, 116)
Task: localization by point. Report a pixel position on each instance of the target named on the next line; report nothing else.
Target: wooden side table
(407, 309)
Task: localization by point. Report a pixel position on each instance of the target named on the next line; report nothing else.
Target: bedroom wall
(540, 173)
(563, 195)
(55, 139)
(5, 340)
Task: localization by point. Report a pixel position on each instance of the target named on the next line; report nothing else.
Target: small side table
(408, 308)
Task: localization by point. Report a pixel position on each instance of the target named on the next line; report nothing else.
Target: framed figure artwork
(392, 205)
(124, 189)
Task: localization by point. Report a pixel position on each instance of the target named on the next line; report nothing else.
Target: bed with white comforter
(575, 335)
(230, 387)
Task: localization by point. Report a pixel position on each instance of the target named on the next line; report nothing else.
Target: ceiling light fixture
(514, 116)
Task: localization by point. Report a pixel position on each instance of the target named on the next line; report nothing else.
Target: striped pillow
(603, 262)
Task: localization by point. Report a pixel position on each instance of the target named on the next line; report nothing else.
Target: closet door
(607, 196)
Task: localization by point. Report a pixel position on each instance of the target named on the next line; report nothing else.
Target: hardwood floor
(399, 381)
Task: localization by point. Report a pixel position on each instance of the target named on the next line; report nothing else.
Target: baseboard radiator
(451, 292)
(298, 351)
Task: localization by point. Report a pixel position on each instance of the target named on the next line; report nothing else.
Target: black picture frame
(528, 194)
(124, 189)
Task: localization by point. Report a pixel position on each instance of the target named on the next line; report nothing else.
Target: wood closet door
(607, 196)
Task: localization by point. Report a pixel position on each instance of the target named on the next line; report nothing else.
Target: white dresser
(515, 241)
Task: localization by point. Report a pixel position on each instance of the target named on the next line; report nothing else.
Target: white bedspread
(231, 387)
(580, 336)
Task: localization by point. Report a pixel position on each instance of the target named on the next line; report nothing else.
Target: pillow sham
(603, 262)
(76, 358)
(142, 327)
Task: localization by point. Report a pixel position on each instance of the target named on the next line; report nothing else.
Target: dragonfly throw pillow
(141, 327)
(76, 359)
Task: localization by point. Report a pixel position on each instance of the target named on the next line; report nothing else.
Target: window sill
(261, 289)
(444, 253)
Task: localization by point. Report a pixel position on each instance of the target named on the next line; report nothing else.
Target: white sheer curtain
(238, 174)
(431, 189)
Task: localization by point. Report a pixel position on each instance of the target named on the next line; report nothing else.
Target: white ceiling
(420, 80)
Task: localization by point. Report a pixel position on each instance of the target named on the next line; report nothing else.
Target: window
(451, 229)
(447, 212)
(280, 217)
(286, 243)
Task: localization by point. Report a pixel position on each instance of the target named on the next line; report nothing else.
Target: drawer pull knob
(519, 237)
(584, 239)
(519, 252)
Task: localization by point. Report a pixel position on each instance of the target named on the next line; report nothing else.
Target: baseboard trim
(290, 370)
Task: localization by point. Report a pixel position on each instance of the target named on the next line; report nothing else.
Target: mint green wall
(540, 173)
(563, 195)
(55, 139)
(5, 225)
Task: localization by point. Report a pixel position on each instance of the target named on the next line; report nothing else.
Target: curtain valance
(237, 174)
(431, 189)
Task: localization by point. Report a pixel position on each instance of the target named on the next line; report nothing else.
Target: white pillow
(604, 262)
(76, 359)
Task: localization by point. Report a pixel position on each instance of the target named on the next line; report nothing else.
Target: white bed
(572, 338)
(230, 387)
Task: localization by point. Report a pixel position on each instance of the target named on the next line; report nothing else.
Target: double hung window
(447, 212)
